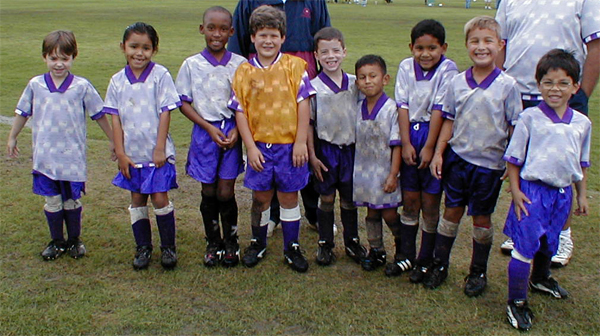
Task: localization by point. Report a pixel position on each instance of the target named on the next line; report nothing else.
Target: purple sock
(291, 232)
(443, 246)
(55, 224)
(142, 232)
(427, 245)
(518, 277)
(166, 229)
(73, 221)
(260, 233)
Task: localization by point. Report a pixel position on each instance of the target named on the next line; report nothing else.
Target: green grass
(101, 294)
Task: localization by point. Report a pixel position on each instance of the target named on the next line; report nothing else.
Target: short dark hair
(370, 60)
(267, 17)
(217, 9)
(428, 27)
(328, 34)
(142, 29)
(60, 40)
(558, 59)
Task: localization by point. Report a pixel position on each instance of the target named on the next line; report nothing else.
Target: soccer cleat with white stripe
(519, 315)
(398, 266)
(549, 286)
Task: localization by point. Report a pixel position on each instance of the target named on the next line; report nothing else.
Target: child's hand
(11, 148)
(300, 154)
(159, 157)
(425, 156)
(436, 166)
(409, 155)
(519, 200)
(391, 184)
(255, 159)
(318, 167)
(124, 163)
(582, 206)
(217, 136)
(232, 138)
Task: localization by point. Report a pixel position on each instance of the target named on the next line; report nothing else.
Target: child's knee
(408, 218)
(164, 210)
(72, 204)
(53, 203)
(448, 228)
(290, 215)
(326, 203)
(138, 213)
(430, 225)
(483, 235)
(347, 205)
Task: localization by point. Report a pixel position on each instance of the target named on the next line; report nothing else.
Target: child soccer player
(378, 157)
(333, 121)
(420, 84)
(540, 181)
(57, 102)
(481, 105)
(270, 96)
(215, 154)
(140, 97)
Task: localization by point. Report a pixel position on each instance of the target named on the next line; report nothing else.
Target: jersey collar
(63, 87)
(420, 74)
(143, 76)
(484, 83)
(551, 114)
(365, 111)
(213, 61)
(331, 84)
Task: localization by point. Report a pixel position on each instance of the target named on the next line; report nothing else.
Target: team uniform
(566, 24)
(58, 123)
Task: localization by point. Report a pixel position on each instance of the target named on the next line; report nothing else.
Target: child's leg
(228, 209)
(349, 215)
(374, 228)
(165, 218)
(209, 208)
(483, 236)
(140, 222)
(73, 209)
(392, 219)
(446, 234)
(290, 217)
(259, 215)
(53, 209)
(431, 217)
(325, 218)
(409, 224)
(519, 268)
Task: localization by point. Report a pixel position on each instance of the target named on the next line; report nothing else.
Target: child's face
(370, 80)
(427, 51)
(330, 54)
(138, 51)
(556, 88)
(267, 42)
(483, 46)
(217, 30)
(59, 64)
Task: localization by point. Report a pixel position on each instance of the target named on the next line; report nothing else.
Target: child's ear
(444, 48)
(410, 47)
(231, 31)
(386, 79)
(122, 46)
(201, 29)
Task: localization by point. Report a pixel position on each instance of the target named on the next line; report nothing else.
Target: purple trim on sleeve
(63, 86)
(437, 107)
(585, 164)
(234, 105)
(98, 115)
(186, 99)
(551, 114)
(171, 107)
(592, 37)
(22, 113)
(512, 160)
(213, 61)
(395, 143)
(143, 76)
(110, 110)
(484, 83)
(331, 84)
(365, 111)
(306, 89)
(420, 75)
(447, 115)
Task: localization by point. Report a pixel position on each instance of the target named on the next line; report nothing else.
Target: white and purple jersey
(376, 134)
(58, 123)
(420, 91)
(206, 83)
(550, 149)
(139, 102)
(531, 28)
(334, 109)
(483, 114)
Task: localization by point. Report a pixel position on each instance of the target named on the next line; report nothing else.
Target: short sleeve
(305, 89)
(590, 20)
(110, 101)
(168, 98)
(401, 87)
(585, 147)
(448, 105)
(236, 90)
(513, 105)
(449, 72)
(25, 104)
(313, 109)
(395, 129)
(183, 83)
(517, 147)
(93, 102)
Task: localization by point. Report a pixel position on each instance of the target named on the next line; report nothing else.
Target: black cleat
(374, 259)
(400, 265)
(54, 250)
(214, 253)
(76, 249)
(325, 255)
(475, 283)
(254, 253)
(168, 259)
(355, 250)
(294, 258)
(436, 275)
(419, 272)
(519, 315)
(232, 253)
(142, 257)
(549, 286)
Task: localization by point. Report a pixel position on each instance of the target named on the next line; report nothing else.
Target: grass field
(101, 294)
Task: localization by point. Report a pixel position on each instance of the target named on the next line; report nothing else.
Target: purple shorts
(548, 212)
(339, 160)
(411, 178)
(278, 172)
(45, 186)
(148, 180)
(206, 160)
(466, 184)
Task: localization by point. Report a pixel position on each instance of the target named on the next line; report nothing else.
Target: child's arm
(215, 134)
(11, 146)
(435, 125)
(105, 126)
(391, 182)
(409, 155)
(254, 156)
(442, 143)
(316, 164)
(519, 198)
(159, 156)
(582, 202)
(123, 160)
(300, 151)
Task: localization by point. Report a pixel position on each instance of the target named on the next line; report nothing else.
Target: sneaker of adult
(295, 258)
(564, 253)
(507, 246)
(53, 250)
(254, 253)
(549, 286)
(519, 315)
(143, 255)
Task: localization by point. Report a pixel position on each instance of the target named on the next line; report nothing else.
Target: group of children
(444, 130)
